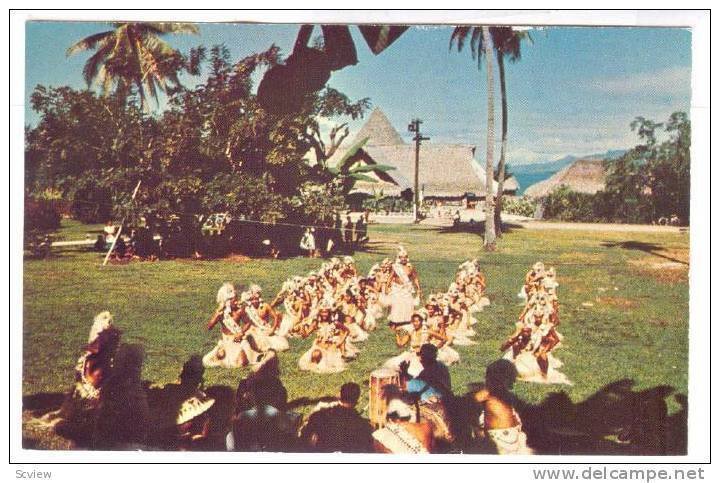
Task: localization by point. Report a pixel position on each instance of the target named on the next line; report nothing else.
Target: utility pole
(414, 127)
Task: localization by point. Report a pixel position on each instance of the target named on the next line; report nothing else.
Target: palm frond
(93, 64)
(459, 35)
(162, 28)
(89, 43)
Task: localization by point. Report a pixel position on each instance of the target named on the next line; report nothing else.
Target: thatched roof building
(582, 176)
(447, 171)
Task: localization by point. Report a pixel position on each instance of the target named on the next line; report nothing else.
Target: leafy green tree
(652, 180)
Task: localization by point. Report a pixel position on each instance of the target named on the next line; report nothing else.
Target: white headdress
(102, 321)
(226, 292)
(401, 251)
(255, 289)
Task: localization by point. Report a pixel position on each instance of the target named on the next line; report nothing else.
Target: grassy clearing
(636, 328)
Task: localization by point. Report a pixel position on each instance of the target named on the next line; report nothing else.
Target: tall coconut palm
(133, 54)
(506, 43)
(489, 161)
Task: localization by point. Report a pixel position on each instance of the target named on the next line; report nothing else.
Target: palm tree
(506, 43)
(133, 54)
(489, 162)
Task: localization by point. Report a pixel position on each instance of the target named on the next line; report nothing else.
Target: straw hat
(193, 407)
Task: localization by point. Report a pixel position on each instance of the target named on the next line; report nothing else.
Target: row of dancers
(339, 308)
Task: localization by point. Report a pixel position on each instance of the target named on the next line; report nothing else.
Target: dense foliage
(519, 206)
(650, 182)
(213, 149)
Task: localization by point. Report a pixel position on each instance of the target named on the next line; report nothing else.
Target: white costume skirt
(402, 304)
(330, 362)
(357, 334)
(529, 370)
(415, 367)
(287, 324)
(447, 355)
(266, 342)
(228, 353)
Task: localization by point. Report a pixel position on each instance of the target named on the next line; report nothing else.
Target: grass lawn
(623, 307)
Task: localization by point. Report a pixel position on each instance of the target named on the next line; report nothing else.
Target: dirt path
(615, 227)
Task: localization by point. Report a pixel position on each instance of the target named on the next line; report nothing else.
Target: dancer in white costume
(330, 346)
(414, 335)
(530, 346)
(352, 316)
(264, 322)
(403, 289)
(233, 349)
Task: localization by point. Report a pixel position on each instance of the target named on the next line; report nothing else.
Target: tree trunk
(503, 146)
(489, 162)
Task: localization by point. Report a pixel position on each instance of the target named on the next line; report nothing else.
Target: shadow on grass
(616, 420)
(649, 248)
(477, 228)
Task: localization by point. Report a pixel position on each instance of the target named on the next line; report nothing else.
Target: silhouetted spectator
(124, 414)
(340, 427)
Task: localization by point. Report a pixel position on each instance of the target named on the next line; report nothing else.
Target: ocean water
(526, 180)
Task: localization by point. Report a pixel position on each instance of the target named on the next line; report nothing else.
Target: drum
(377, 409)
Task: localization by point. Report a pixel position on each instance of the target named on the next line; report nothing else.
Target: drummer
(434, 379)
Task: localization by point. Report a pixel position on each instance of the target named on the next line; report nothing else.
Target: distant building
(449, 173)
(582, 176)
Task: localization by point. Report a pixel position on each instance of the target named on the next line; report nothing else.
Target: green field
(623, 296)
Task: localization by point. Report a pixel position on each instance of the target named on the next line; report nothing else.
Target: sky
(575, 90)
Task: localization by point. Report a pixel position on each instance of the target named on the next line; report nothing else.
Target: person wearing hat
(193, 421)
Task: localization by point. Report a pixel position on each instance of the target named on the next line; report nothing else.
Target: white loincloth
(509, 440)
(398, 440)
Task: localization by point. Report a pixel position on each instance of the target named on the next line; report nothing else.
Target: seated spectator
(99, 245)
(123, 415)
(259, 424)
(193, 422)
(500, 421)
(339, 427)
(432, 389)
(403, 433)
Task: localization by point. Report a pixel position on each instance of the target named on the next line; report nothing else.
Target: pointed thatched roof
(446, 170)
(582, 176)
(379, 131)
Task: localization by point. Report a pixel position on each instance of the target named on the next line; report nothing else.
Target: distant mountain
(529, 174)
